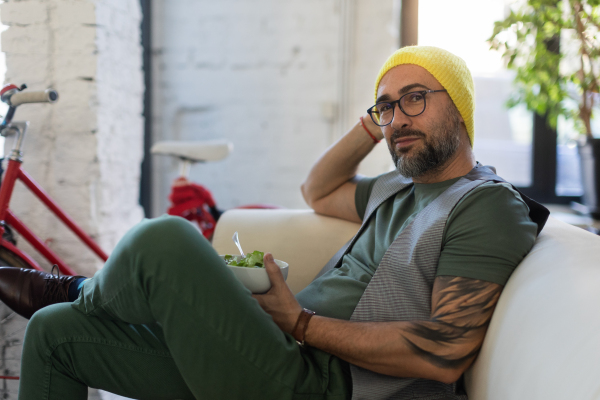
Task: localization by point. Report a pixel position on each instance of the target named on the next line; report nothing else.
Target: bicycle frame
(7, 217)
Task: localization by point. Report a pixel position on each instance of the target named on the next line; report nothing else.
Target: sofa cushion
(302, 238)
(544, 338)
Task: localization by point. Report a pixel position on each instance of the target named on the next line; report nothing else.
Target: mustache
(397, 134)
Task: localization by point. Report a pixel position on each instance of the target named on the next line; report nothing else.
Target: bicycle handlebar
(47, 96)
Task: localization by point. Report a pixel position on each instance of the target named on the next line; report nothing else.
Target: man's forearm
(340, 162)
(385, 347)
(440, 348)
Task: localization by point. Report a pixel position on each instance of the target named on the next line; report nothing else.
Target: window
(518, 143)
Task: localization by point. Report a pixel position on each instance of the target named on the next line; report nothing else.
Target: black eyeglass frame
(393, 104)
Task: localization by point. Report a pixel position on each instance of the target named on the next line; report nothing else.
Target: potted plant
(554, 47)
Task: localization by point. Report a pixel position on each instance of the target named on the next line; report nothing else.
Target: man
(401, 312)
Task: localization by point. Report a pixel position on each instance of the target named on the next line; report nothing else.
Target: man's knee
(167, 231)
(47, 327)
(167, 241)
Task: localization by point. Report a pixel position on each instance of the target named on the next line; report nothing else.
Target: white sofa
(544, 339)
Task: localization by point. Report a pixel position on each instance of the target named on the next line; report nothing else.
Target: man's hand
(330, 186)
(440, 348)
(279, 301)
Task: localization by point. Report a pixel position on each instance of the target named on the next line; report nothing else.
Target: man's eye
(414, 98)
(383, 107)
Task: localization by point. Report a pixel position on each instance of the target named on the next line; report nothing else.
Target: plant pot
(589, 155)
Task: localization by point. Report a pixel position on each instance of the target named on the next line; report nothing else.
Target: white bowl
(256, 279)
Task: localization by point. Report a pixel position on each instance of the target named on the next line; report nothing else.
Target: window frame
(544, 165)
(544, 156)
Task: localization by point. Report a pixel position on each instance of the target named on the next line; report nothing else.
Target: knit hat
(450, 71)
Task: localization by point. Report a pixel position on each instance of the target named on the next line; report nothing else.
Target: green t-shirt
(486, 236)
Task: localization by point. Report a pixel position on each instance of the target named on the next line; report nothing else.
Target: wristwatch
(301, 325)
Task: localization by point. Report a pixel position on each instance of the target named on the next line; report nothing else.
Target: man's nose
(400, 120)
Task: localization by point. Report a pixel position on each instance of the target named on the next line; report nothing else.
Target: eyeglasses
(411, 104)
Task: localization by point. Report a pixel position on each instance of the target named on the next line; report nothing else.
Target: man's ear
(460, 118)
(464, 133)
(465, 136)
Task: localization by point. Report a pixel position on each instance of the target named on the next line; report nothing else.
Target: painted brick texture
(86, 149)
(266, 76)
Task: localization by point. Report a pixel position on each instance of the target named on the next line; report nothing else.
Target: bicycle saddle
(197, 151)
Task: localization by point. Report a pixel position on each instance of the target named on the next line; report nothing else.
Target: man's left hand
(279, 301)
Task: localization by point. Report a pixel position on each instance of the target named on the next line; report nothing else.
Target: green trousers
(165, 319)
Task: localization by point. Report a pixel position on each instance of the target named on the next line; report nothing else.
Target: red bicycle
(189, 200)
(10, 254)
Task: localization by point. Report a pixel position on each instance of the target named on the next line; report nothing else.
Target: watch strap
(301, 325)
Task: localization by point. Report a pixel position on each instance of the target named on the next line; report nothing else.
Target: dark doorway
(146, 181)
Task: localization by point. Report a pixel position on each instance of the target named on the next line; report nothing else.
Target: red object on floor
(193, 202)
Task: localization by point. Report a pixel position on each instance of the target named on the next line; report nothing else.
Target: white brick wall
(120, 91)
(86, 149)
(266, 75)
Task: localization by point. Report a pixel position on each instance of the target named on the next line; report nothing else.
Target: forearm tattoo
(461, 312)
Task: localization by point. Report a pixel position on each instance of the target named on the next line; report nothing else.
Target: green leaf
(525, 38)
(252, 260)
(255, 259)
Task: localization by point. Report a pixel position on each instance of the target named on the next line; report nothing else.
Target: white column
(86, 149)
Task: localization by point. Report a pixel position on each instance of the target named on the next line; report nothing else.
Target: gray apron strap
(386, 186)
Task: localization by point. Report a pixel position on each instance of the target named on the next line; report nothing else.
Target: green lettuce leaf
(255, 259)
(252, 260)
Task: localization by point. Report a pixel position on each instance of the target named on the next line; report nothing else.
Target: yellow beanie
(449, 70)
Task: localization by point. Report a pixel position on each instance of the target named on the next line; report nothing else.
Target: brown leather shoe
(26, 290)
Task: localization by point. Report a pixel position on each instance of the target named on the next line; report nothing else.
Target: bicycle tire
(10, 259)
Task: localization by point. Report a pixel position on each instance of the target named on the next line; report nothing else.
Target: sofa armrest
(302, 238)
(543, 342)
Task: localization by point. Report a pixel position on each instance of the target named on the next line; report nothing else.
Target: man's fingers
(273, 270)
(258, 298)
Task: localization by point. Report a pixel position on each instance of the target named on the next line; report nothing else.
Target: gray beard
(438, 149)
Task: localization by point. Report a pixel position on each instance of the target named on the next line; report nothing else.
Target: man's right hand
(330, 186)
(279, 302)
